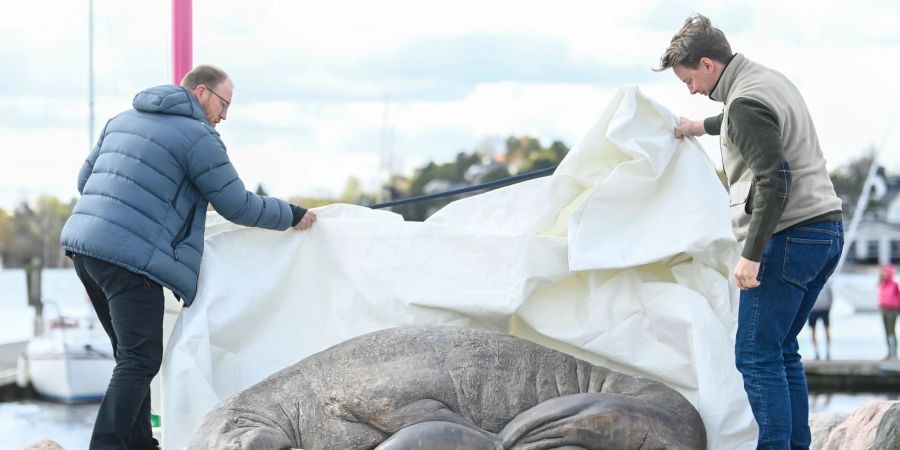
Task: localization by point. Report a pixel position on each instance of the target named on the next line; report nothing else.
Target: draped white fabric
(622, 258)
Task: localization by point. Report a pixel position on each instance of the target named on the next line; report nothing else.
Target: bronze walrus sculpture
(441, 388)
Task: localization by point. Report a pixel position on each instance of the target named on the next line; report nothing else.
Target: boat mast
(90, 74)
(182, 40)
(383, 177)
(863, 201)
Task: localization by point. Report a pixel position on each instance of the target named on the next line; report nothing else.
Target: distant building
(892, 211)
(476, 173)
(877, 239)
(876, 243)
(439, 185)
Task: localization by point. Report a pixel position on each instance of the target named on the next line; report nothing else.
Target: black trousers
(130, 308)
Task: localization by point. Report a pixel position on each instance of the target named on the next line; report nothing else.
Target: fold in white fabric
(622, 257)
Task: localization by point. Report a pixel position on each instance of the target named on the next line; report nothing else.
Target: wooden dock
(853, 375)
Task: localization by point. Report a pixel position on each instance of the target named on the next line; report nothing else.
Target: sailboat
(69, 360)
(860, 289)
(72, 361)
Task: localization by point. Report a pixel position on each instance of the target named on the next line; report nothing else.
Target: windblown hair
(207, 75)
(696, 39)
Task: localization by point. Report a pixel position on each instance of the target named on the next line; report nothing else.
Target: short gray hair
(205, 74)
(696, 39)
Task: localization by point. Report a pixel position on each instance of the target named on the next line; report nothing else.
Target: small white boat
(71, 362)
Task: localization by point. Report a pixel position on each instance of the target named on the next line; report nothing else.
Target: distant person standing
(889, 302)
(139, 226)
(820, 312)
(783, 208)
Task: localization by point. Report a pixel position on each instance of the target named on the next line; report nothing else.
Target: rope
(490, 185)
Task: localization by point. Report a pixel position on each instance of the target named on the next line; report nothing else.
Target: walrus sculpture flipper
(581, 421)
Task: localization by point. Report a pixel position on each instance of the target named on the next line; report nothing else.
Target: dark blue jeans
(794, 267)
(130, 308)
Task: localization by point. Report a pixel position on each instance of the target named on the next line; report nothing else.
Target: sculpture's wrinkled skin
(441, 388)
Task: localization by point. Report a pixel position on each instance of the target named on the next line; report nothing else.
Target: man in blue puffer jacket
(139, 226)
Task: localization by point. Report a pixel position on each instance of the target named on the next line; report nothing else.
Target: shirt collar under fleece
(720, 91)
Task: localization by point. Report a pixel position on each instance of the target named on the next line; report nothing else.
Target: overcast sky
(316, 81)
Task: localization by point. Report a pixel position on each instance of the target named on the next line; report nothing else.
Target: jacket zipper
(178, 191)
(184, 232)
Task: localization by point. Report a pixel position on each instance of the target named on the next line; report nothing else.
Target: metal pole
(478, 187)
(33, 271)
(182, 39)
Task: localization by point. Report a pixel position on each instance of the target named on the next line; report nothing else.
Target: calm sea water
(854, 336)
(22, 423)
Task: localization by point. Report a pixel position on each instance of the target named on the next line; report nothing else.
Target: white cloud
(284, 172)
(40, 162)
(311, 79)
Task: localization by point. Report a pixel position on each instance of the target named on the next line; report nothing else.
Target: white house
(877, 238)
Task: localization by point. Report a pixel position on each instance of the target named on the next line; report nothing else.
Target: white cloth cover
(622, 257)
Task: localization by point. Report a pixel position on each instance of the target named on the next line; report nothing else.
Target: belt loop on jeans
(146, 283)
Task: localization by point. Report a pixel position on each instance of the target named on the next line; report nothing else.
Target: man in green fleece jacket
(783, 208)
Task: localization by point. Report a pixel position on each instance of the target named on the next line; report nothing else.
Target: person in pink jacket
(889, 302)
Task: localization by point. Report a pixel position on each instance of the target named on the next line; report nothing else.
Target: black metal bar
(490, 185)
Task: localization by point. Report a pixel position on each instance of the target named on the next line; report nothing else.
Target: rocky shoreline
(874, 425)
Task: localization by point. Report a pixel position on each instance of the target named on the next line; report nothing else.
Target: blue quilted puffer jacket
(146, 185)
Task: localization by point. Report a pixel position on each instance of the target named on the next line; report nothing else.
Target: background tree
(497, 174)
(352, 192)
(35, 232)
(5, 234)
(848, 181)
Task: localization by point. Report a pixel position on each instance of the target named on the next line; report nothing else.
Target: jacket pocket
(748, 206)
(739, 193)
(184, 232)
(804, 259)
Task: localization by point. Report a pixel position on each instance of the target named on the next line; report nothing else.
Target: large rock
(450, 388)
(820, 426)
(859, 430)
(44, 444)
(888, 434)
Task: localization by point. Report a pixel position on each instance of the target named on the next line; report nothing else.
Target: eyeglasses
(225, 103)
